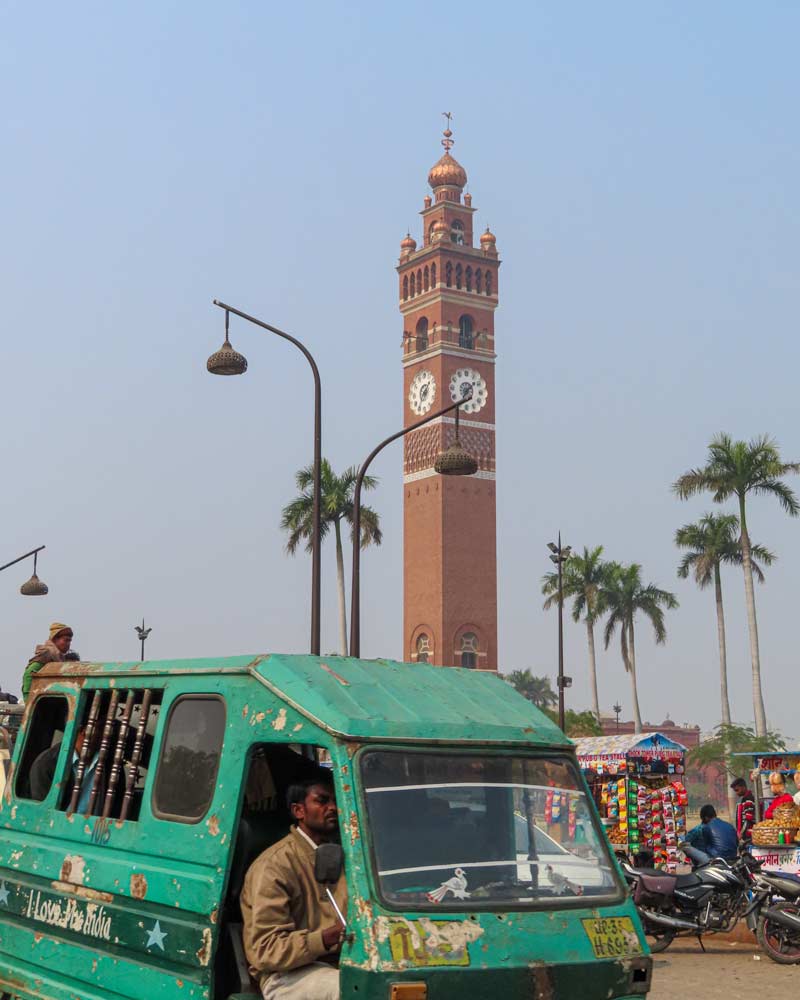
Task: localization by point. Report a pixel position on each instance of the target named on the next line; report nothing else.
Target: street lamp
(559, 556)
(33, 587)
(143, 634)
(227, 361)
(453, 461)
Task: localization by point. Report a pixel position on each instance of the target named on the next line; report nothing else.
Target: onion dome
(488, 240)
(449, 171)
(408, 245)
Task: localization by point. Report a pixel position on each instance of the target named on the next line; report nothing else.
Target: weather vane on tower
(447, 142)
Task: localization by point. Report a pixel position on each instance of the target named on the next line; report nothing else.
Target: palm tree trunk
(755, 659)
(340, 582)
(593, 668)
(725, 705)
(637, 715)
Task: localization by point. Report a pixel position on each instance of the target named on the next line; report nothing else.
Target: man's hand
(332, 937)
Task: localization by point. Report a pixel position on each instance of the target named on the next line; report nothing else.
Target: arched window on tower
(424, 648)
(433, 276)
(466, 338)
(405, 287)
(413, 285)
(488, 282)
(426, 276)
(448, 273)
(419, 281)
(478, 281)
(457, 232)
(430, 232)
(422, 334)
(458, 275)
(469, 650)
(468, 279)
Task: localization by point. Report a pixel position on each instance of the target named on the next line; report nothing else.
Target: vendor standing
(777, 785)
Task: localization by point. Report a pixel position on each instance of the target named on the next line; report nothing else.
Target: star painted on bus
(156, 936)
(3, 894)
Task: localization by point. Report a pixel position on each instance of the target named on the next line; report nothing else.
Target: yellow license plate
(612, 937)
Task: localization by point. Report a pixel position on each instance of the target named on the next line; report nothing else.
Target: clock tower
(448, 294)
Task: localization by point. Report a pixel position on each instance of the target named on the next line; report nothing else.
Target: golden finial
(447, 142)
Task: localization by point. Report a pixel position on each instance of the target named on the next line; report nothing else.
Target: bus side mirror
(328, 863)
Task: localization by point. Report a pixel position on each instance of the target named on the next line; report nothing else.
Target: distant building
(687, 734)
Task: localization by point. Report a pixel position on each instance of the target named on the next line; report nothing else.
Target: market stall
(636, 782)
(776, 840)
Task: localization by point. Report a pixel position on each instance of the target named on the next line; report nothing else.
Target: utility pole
(559, 556)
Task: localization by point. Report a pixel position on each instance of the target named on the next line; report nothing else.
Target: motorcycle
(776, 916)
(709, 900)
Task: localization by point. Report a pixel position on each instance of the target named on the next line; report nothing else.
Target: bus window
(42, 747)
(187, 771)
(110, 753)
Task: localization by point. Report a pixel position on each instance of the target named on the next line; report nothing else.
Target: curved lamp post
(33, 587)
(227, 361)
(454, 461)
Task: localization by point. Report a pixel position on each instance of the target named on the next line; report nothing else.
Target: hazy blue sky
(638, 164)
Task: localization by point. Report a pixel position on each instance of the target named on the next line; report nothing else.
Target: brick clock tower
(448, 295)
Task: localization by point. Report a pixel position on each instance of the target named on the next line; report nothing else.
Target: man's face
(318, 814)
(63, 641)
(740, 790)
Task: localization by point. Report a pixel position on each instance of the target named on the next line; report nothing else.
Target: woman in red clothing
(777, 784)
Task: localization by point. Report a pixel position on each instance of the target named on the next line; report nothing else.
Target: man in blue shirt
(714, 837)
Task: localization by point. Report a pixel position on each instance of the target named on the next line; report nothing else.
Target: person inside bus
(291, 932)
(43, 770)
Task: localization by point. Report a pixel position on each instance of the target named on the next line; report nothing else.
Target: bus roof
(369, 699)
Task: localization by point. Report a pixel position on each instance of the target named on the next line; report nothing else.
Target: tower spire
(448, 140)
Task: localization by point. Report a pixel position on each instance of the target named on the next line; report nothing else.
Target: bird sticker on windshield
(561, 884)
(457, 885)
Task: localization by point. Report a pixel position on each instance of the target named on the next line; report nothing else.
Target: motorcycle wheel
(779, 943)
(658, 938)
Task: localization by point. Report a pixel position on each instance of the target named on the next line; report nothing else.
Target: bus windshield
(470, 831)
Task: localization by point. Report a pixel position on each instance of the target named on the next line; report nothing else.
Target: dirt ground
(727, 971)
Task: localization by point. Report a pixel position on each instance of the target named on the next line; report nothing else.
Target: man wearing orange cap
(52, 651)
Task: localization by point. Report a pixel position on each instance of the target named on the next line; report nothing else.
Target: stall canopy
(611, 750)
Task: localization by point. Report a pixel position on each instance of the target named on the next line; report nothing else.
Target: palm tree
(337, 506)
(582, 579)
(535, 689)
(714, 540)
(624, 596)
(734, 469)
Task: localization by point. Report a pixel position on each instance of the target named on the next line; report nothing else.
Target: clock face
(461, 383)
(422, 392)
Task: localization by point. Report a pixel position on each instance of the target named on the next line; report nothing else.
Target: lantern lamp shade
(455, 461)
(227, 361)
(33, 587)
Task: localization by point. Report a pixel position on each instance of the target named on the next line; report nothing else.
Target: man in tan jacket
(292, 934)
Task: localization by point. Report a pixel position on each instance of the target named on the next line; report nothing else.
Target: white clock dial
(422, 392)
(461, 383)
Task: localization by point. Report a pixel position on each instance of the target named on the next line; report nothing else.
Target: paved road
(726, 972)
